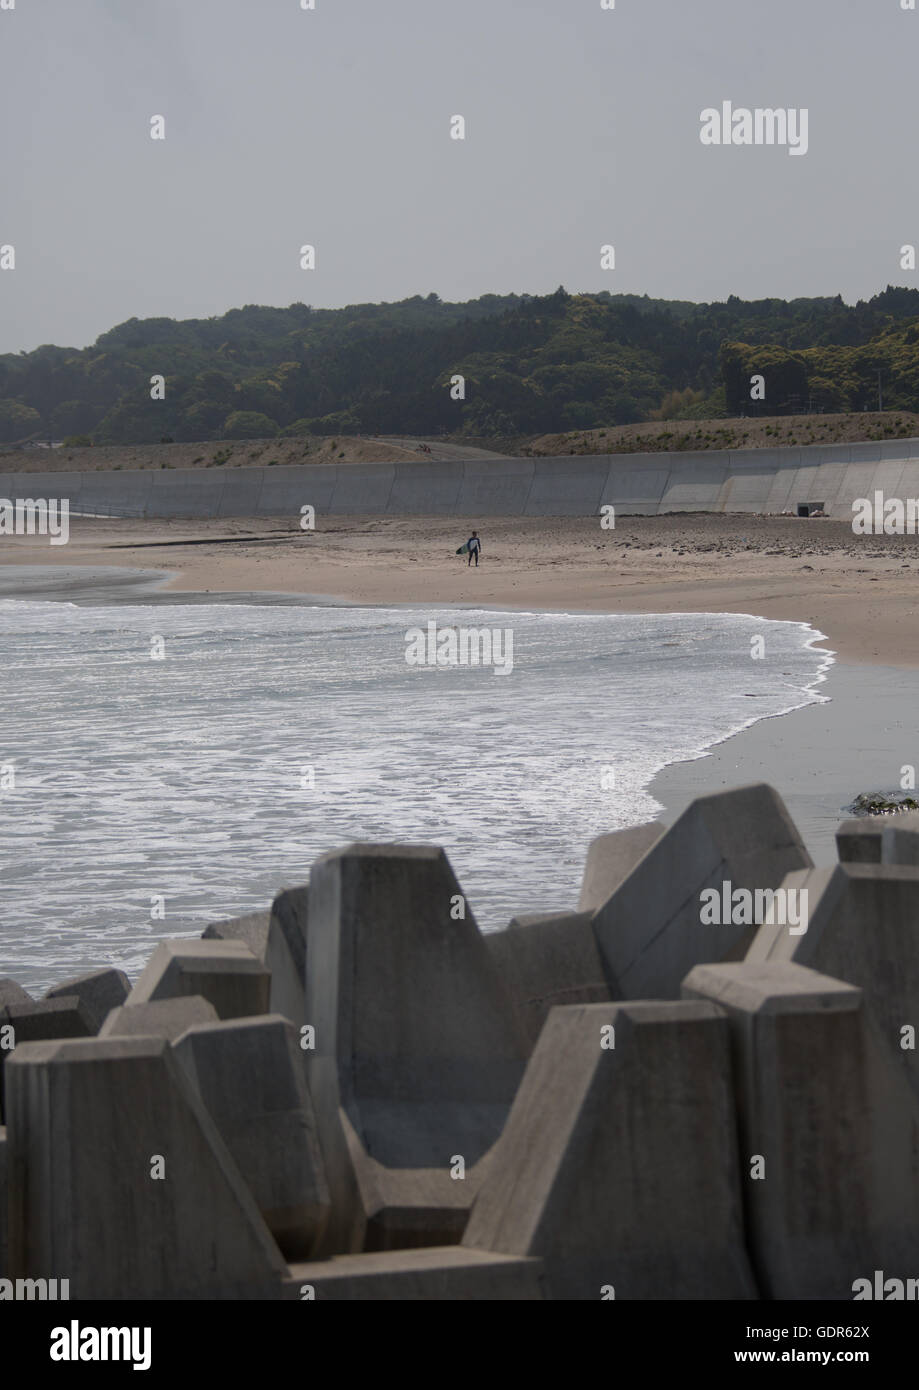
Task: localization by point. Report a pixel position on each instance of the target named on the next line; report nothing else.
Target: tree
(136, 419)
(202, 420)
(580, 415)
(827, 394)
(337, 422)
(258, 394)
(248, 424)
(532, 364)
(17, 420)
(74, 417)
(627, 411)
(785, 375)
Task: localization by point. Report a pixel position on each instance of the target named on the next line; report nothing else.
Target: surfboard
(463, 549)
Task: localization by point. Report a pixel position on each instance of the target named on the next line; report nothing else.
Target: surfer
(473, 546)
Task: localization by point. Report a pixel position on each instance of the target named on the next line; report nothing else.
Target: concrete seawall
(745, 480)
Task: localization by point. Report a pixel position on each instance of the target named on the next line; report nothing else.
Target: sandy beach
(862, 592)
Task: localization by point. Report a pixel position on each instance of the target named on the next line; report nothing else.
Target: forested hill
(531, 364)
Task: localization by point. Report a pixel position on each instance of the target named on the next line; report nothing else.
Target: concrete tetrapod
(99, 992)
(164, 1018)
(137, 1200)
(251, 929)
(830, 1131)
(285, 954)
(4, 1203)
(441, 1273)
(249, 1073)
(66, 1017)
(618, 1163)
(417, 1053)
(38, 1019)
(278, 939)
(13, 993)
(651, 931)
(610, 860)
(859, 841)
(900, 840)
(225, 972)
(862, 927)
(545, 960)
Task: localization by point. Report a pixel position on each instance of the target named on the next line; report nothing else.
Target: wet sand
(819, 757)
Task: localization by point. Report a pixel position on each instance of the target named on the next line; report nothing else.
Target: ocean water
(143, 798)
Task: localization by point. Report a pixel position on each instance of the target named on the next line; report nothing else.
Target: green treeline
(532, 365)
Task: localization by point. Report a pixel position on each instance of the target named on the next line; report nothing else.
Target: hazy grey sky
(332, 127)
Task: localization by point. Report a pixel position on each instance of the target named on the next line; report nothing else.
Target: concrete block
(165, 1018)
(859, 841)
(548, 959)
(417, 1053)
(900, 840)
(249, 1074)
(285, 953)
(618, 1164)
(862, 927)
(650, 931)
(402, 1208)
(99, 992)
(89, 1124)
(610, 860)
(442, 1273)
(38, 1019)
(4, 1204)
(278, 938)
(828, 1123)
(66, 1017)
(13, 993)
(253, 930)
(225, 972)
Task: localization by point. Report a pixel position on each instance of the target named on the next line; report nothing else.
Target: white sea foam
(185, 778)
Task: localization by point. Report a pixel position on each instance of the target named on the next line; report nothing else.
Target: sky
(331, 127)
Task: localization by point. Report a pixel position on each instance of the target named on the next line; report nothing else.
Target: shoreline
(822, 755)
(863, 591)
